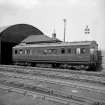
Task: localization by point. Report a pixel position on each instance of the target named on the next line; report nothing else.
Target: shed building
(35, 39)
(11, 36)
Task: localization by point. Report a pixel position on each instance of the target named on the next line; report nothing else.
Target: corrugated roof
(18, 32)
(39, 38)
(2, 28)
(58, 44)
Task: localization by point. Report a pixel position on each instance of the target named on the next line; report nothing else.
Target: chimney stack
(54, 35)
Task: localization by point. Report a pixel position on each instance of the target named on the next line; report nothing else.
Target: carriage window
(83, 50)
(28, 51)
(54, 51)
(25, 52)
(78, 51)
(62, 51)
(20, 51)
(75, 51)
(69, 51)
(45, 51)
(50, 51)
(91, 50)
(16, 51)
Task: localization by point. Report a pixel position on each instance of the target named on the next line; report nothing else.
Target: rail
(97, 78)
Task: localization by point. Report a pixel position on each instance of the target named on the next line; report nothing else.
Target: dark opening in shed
(12, 36)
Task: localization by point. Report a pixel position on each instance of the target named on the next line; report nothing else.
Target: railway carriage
(83, 54)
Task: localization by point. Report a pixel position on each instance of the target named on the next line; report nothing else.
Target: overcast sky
(48, 15)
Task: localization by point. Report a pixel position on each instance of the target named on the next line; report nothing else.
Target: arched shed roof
(17, 33)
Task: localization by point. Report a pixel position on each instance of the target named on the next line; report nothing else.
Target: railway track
(90, 77)
(55, 100)
(30, 77)
(81, 72)
(28, 85)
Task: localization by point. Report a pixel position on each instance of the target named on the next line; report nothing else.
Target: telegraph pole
(64, 20)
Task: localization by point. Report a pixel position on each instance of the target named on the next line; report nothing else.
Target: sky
(48, 15)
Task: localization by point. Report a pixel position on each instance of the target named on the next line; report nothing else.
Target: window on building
(63, 51)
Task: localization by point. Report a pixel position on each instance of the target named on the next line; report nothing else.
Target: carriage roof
(80, 43)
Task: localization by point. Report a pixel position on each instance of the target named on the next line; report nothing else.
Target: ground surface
(13, 98)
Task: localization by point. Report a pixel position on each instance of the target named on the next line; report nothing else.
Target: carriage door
(92, 53)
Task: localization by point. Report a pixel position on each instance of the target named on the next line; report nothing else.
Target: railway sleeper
(98, 103)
